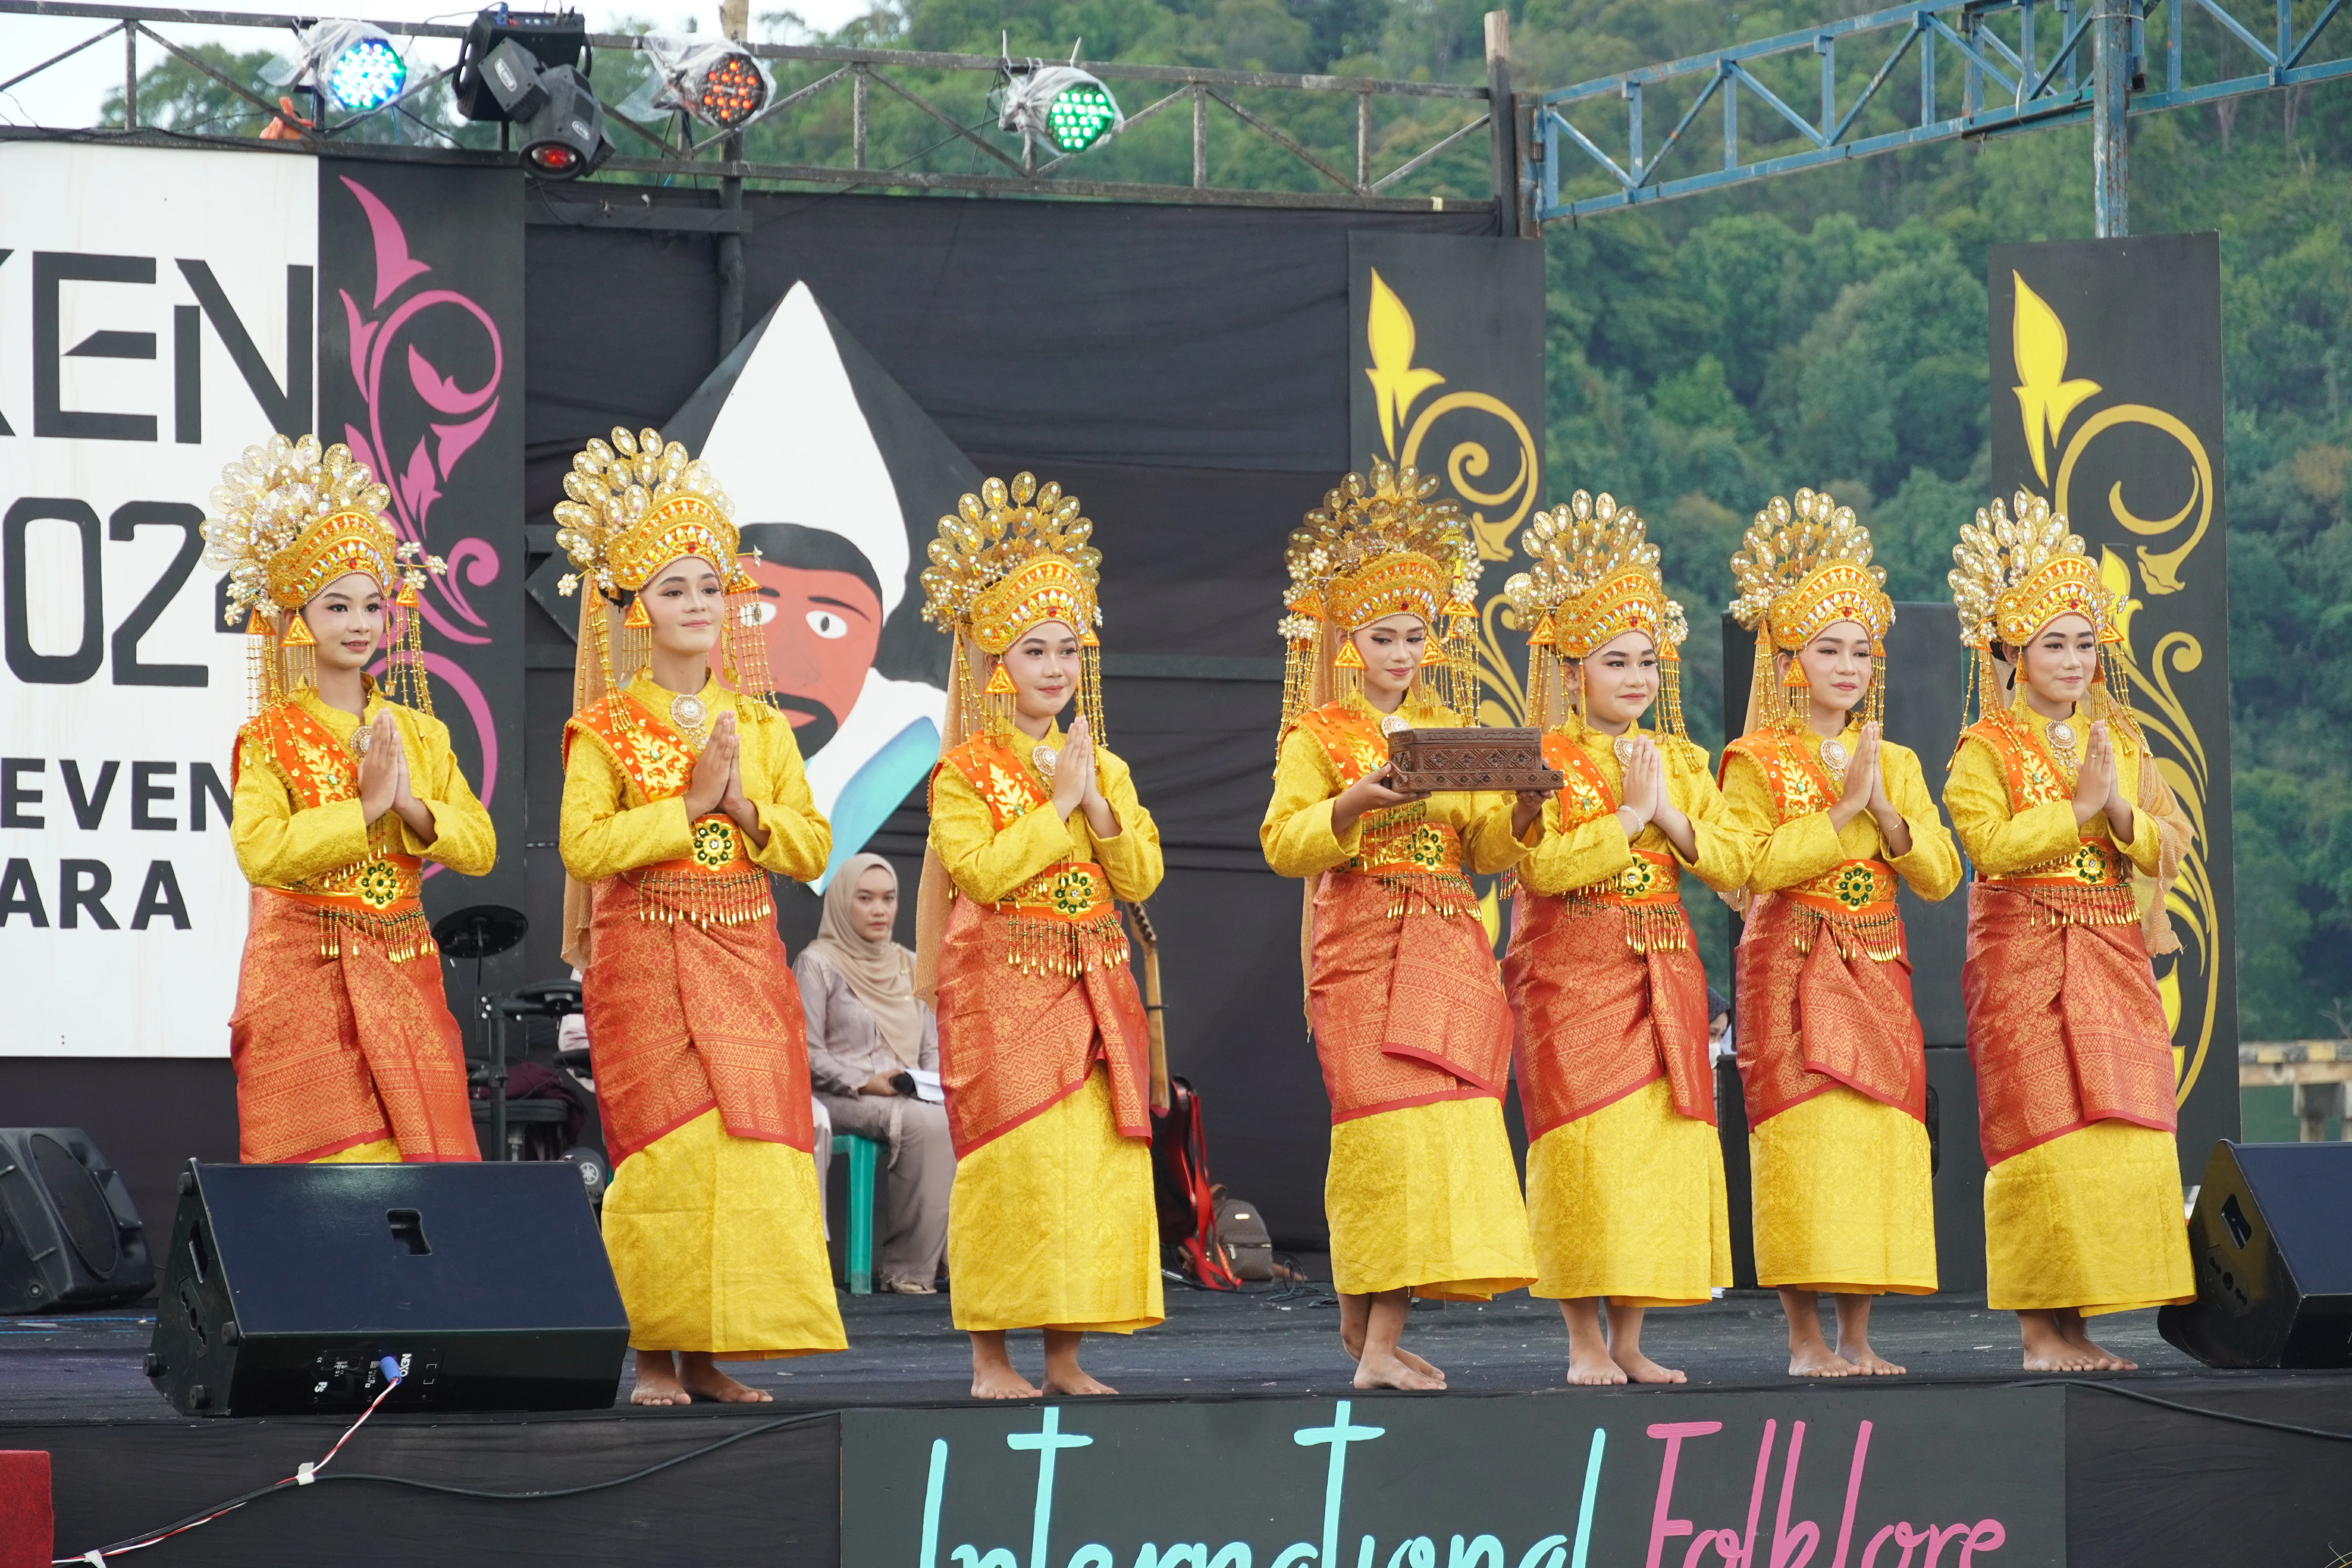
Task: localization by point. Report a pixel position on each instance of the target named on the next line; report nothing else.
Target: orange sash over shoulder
(339, 1037)
(1609, 992)
(690, 1000)
(2066, 1025)
(1405, 998)
(1815, 1014)
(1027, 985)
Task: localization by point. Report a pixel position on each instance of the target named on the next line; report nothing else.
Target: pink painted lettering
(1806, 1535)
(1854, 1496)
(1662, 1527)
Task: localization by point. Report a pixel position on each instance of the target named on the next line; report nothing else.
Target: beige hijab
(881, 975)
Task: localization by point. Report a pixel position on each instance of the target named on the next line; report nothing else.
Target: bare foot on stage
(1425, 1368)
(1867, 1361)
(2048, 1349)
(993, 1376)
(1593, 1365)
(2071, 1325)
(1390, 1369)
(699, 1372)
(657, 1380)
(1063, 1373)
(1641, 1369)
(1817, 1360)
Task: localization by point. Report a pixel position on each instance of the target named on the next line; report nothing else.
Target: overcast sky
(70, 94)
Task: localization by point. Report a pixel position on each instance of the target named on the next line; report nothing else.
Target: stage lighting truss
(717, 83)
(352, 65)
(1066, 109)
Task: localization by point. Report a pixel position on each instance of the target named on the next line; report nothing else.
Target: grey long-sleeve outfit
(845, 1048)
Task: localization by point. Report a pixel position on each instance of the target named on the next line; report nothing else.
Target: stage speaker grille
(69, 1237)
(2271, 1239)
(286, 1285)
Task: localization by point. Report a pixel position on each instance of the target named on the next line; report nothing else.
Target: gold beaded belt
(1063, 921)
(1855, 900)
(376, 897)
(2092, 887)
(1417, 860)
(714, 884)
(1649, 893)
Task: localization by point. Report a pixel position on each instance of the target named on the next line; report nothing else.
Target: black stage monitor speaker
(287, 1286)
(2271, 1239)
(68, 1236)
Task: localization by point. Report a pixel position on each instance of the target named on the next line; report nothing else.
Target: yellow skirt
(718, 1244)
(383, 1152)
(1052, 1225)
(2091, 1220)
(1845, 1198)
(1628, 1203)
(1428, 1197)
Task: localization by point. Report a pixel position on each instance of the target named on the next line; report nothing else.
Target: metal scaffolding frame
(2094, 72)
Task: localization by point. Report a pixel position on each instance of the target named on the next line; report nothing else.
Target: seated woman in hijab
(866, 1028)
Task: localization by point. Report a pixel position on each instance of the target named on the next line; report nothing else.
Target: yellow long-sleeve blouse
(1793, 853)
(988, 866)
(281, 843)
(1564, 859)
(2002, 844)
(610, 827)
(1296, 834)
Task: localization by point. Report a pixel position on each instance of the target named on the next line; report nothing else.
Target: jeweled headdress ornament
(2016, 570)
(1010, 558)
(635, 506)
(289, 517)
(1595, 577)
(1374, 549)
(1802, 569)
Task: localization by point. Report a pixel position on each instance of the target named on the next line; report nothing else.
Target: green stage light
(1080, 116)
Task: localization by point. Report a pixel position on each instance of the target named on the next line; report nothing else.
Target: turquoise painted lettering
(1048, 1441)
(1555, 1544)
(1339, 1434)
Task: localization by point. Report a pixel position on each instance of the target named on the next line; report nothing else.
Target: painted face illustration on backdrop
(826, 460)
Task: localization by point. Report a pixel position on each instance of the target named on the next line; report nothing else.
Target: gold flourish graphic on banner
(2044, 396)
(2047, 398)
(2164, 717)
(2158, 573)
(1495, 515)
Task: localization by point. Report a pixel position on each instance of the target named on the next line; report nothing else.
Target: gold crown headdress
(1595, 578)
(288, 519)
(1802, 569)
(2014, 570)
(636, 505)
(1005, 560)
(1371, 550)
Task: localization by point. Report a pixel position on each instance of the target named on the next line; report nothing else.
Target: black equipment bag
(1179, 1180)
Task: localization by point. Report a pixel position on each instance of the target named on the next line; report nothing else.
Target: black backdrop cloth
(1184, 371)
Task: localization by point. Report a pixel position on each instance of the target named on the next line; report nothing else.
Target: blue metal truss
(2008, 85)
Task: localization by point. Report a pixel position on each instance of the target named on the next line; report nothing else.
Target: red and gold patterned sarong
(1818, 1007)
(1598, 1017)
(2065, 1028)
(1017, 1037)
(688, 1008)
(1406, 1009)
(338, 1045)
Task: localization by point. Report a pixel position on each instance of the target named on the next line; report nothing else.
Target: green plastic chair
(864, 1157)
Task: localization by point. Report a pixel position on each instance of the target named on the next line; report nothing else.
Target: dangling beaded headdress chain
(1377, 548)
(1802, 569)
(1006, 560)
(1594, 578)
(289, 517)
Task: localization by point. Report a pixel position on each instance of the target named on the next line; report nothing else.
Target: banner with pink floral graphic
(420, 373)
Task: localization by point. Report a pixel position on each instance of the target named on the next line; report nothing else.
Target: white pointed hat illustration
(805, 428)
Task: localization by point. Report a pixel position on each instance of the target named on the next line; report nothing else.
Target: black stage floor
(2145, 1484)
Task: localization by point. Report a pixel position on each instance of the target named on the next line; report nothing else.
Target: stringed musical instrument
(1149, 941)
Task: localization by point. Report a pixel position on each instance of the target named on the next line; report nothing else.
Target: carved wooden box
(1426, 760)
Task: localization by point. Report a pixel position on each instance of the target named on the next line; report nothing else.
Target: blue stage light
(366, 73)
